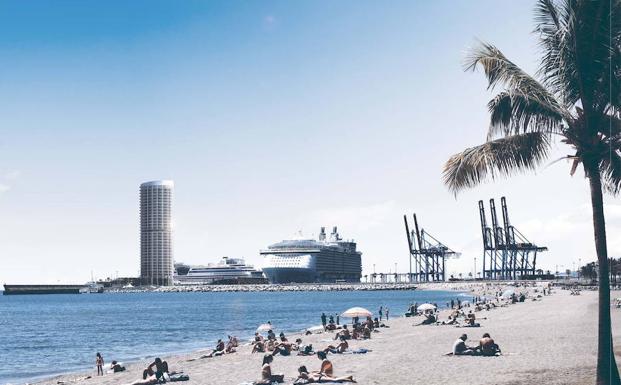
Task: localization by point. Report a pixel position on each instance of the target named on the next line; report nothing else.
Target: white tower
(156, 251)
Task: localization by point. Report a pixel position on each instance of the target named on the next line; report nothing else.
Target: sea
(46, 335)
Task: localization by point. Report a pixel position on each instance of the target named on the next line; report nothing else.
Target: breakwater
(269, 288)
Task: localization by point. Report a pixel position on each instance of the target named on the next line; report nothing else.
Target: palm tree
(576, 99)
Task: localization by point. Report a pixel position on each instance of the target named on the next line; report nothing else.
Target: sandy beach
(551, 340)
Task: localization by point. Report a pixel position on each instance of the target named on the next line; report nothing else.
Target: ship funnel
(322, 234)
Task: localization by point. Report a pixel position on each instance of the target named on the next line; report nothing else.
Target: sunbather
(218, 351)
(304, 377)
(487, 346)
(157, 368)
(460, 348)
(343, 333)
(266, 372)
(338, 349)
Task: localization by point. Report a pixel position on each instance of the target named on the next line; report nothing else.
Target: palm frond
(515, 112)
(497, 158)
(610, 169)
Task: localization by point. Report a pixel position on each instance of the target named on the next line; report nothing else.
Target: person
(380, 312)
(343, 333)
(387, 312)
(430, 318)
(218, 351)
(338, 319)
(338, 349)
(266, 372)
(160, 367)
(283, 347)
(99, 363)
(324, 320)
(326, 372)
(331, 320)
(460, 348)
(452, 304)
(116, 367)
(271, 335)
(487, 346)
(304, 377)
(471, 318)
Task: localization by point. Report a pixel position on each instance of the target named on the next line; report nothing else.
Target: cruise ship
(326, 259)
(228, 270)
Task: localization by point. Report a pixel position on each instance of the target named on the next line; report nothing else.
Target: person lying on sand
(306, 350)
(338, 349)
(304, 377)
(487, 347)
(267, 378)
(116, 367)
(430, 318)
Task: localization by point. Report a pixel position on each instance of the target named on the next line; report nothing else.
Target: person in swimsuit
(218, 351)
(304, 377)
(487, 346)
(326, 372)
(283, 347)
(338, 349)
(99, 362)
(266, 372)
(160, 367)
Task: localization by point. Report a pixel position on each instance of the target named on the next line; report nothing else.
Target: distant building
(156, 249)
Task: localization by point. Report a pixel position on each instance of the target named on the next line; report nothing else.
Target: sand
(551, 341)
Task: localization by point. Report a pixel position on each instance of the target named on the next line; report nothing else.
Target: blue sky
(271, 117)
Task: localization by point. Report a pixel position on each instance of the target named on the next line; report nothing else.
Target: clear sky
(271, 117)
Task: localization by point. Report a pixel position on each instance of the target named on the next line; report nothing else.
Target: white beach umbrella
(425, 307)
(265, 327)
(508, 293)
(356, 312)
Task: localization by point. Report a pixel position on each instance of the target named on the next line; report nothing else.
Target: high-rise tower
(156, 250)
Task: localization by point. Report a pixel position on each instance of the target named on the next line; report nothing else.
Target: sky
(271, 117)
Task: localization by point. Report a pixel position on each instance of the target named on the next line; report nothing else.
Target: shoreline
(246, 366)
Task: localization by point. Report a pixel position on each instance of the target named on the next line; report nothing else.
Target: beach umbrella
(425, 307)
(508, 293)
(264, 327)
(356, 312)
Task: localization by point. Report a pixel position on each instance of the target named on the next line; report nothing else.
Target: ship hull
(290, 275)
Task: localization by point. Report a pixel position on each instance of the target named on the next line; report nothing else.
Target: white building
(156, 250)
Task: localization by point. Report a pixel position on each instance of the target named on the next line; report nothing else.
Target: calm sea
(44, 335)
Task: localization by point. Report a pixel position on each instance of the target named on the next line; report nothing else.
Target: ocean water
(44, 335)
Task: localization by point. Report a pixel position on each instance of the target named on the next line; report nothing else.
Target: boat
(328, 259)
(226, 271)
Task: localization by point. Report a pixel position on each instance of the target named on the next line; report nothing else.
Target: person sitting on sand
(306, 350)
(366, 333)
(487, 346)
(430, 318)
(259, 347)
(343, 333)
(460, 348)
(218, 351)
(283, 347)
(267, 378)
(338, 349)
(271, 335)
(116, 367)
(304, 377)
(233, 341)
(157, 369)
(471, 318)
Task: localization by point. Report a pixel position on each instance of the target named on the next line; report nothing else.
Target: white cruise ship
(327, 259)
(228, 270)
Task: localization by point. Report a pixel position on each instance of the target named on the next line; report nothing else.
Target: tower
(156, 251)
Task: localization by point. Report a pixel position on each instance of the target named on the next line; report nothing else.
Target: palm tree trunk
(607, 371)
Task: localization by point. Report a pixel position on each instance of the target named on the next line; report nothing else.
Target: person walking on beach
(387, 310)
(338, 319)
(99, 362)
(452, 304)
(380, 313)
(324, 320)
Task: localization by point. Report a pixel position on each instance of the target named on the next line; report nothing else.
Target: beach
(552, 340)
